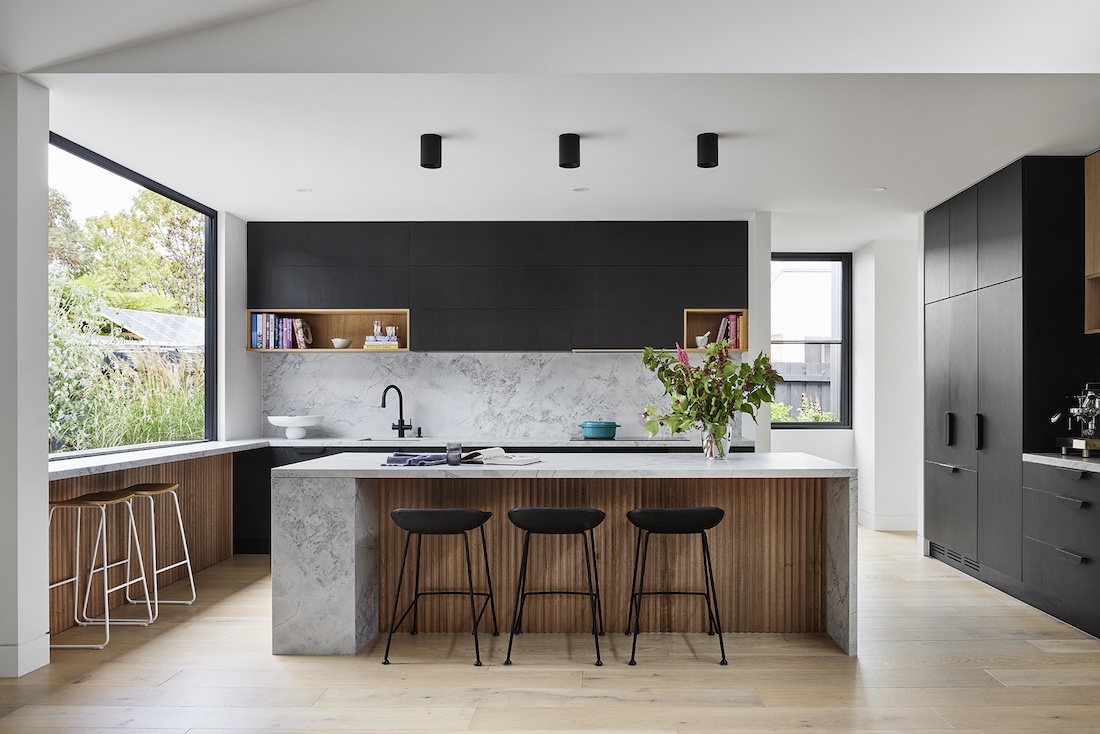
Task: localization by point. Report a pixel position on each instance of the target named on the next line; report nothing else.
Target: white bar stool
(150, 492)
(100, 501)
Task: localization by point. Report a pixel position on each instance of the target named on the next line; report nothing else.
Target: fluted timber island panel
(769, 553)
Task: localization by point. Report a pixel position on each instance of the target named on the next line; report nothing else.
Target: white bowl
(295, 425)
(338, 343)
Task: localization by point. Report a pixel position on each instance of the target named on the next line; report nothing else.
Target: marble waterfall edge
(519, 395)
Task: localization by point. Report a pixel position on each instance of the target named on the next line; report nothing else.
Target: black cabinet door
(328, 265)
(963, 270)
(951, 508)
(937, 249)
(1000, 426)
(252, 501)
(1001, 226)
(951, 380)
(937, 379)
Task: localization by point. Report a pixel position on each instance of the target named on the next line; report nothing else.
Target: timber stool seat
(558, 521)
(100, 501)
(678, 521)
(150, 491)
(442, 522)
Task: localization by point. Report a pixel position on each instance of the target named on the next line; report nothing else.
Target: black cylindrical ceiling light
(569, 150)
(431, 151)
(707, 150)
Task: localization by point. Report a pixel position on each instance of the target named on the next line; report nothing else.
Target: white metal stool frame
(149, 492)
(100, 500)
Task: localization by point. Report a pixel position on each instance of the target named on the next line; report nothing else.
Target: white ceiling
(219, 114)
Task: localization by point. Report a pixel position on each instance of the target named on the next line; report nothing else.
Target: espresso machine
(1084, 414)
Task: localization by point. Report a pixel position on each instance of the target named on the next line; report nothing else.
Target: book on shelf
(722, 330)
(735, 329)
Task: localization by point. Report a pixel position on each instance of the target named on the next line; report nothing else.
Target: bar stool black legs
(558, 521)
(442, 522)
(687, 521)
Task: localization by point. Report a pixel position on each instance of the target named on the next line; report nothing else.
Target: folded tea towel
(402, 459)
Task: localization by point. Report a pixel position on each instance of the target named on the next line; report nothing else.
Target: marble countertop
(564, 465)
(427, 441)
(117, 460)
(63, 468)
(1074, 462)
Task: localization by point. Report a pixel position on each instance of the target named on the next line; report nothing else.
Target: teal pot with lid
(599, 429)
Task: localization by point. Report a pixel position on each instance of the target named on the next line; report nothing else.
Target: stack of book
(381, 342)
(735, 330)
(270, 331)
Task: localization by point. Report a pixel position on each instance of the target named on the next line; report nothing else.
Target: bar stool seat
(101, 501)
(150, 491)
(452, 521)
(673, 521)
(558, 521)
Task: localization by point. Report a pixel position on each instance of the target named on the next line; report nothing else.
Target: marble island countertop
(416, 443)
(565, 465)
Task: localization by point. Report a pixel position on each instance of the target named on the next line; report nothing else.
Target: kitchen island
(784, 556)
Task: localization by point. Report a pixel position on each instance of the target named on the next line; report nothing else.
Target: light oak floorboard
(938, 649)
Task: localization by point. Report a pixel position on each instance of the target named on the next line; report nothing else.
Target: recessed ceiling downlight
(305, 190)
(581, 189)
(877, 189)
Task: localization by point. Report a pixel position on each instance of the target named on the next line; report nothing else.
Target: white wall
(760, 315)
(239, 383)
(887, 417)
(24, 483)
(835, 445)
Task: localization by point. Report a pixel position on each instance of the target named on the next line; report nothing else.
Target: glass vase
(716, 440)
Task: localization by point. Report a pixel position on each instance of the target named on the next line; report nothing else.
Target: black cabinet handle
(948, 428)
(1071, 473)
(948, 468)
(979, 429)
(1073, 502)
(1069, 556)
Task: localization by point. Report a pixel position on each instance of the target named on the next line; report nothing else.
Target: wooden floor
(939, 651)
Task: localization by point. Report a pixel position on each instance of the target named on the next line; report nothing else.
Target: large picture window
(131, 308)
(812, 339)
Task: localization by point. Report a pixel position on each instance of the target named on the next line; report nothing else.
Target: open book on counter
(498, 456)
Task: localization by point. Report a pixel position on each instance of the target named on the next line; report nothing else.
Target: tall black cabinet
(1004, 345)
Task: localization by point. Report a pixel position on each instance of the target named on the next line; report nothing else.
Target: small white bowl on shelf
(338, 343)
(295, 425)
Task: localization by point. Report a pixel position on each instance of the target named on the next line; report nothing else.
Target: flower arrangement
(708, 395)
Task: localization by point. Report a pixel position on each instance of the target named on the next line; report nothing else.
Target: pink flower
(681, 355)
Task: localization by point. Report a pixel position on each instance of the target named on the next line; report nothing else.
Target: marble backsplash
(487, 394)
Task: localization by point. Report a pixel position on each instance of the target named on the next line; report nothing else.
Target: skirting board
(888, 523)
(18, 660)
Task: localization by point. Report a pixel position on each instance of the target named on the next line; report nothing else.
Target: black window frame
(845, 342)
(210, 348)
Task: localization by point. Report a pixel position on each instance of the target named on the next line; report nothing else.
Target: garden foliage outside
(107, 390)
(809, 412)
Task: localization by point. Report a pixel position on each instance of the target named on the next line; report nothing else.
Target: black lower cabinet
(252, 501)
(1064, 574)
(951, 510)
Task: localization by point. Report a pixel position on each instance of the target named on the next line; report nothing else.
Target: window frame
(845, 342)
(210, 348)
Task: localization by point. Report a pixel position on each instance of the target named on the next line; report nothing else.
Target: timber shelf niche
(347, 323)
(698, 321)
(1092, 244)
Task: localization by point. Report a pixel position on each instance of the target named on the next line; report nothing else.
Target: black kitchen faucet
(400, 426)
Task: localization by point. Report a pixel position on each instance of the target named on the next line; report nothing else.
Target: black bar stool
(683, 521)
(558, 521)
(442, 522)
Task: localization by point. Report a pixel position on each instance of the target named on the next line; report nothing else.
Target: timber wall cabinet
(1004, 345)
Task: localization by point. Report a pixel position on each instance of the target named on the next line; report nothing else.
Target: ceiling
(239, 103)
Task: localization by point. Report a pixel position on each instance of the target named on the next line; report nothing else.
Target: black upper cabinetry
(507, 286)
(328, 265)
